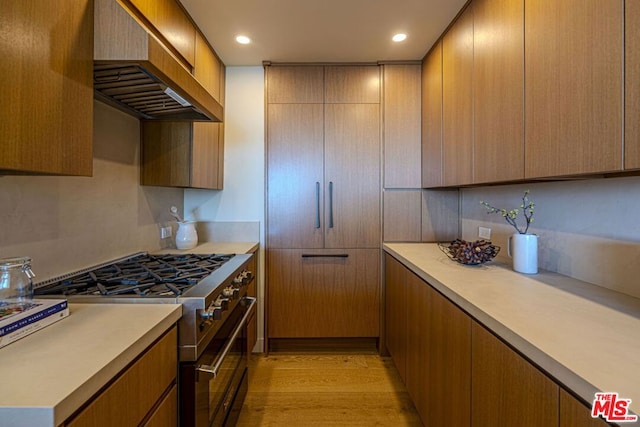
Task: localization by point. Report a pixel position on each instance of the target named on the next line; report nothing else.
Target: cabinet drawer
(132, 395)
(166, 415)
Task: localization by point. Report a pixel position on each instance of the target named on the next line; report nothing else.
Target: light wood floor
(320, 389)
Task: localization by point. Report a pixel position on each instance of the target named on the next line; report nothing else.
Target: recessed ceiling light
(243, 39)
(400, 37)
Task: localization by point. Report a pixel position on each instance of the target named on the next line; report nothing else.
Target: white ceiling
(321, 30)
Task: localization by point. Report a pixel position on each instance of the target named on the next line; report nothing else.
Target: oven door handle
(215, 367)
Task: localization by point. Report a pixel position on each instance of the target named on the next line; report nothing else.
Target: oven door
(219, 376)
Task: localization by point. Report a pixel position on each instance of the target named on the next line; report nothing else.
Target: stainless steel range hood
(133, 71)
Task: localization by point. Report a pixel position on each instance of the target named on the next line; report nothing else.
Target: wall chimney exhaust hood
(134, 71)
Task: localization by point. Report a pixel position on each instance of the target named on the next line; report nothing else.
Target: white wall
(68, 223)
(588, 229)
(242, 199)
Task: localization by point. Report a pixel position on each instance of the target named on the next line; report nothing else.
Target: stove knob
(238, 279)
(212, 313)
(228, 291)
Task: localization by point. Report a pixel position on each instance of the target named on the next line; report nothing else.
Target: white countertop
(49, 374)
(585, 336)
(216, 248)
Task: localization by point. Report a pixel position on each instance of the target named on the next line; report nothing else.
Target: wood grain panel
(166, 415)
(402, 221)
(450, 364)
(575, 414)
(172, 23)
(207, 67)
(294, 166)
(205, 155)
(632, 85)
(419, 350)
(352, 164)
(352, 84)
(166, 153)
(432, 168)
(573, 87)
(498, 90)
(46, 114)
(323, 297)
(402, 144)
(143, 383)
(508, 390)
(289, 84)
(396, 313)
(457, 105)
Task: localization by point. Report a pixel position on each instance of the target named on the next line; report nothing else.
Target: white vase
(186, 236)
(523, 248)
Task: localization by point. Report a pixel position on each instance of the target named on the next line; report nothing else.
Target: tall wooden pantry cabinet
(323, 201)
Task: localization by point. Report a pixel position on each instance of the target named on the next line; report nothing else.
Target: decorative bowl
(470, 253)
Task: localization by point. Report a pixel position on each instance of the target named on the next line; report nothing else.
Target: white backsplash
(67, 223)
(589, 229)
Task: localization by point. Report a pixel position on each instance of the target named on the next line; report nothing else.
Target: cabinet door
(457, 106)
(508, 390)
(575, 414)
(331, 296)
(352, 84)
(295, 182)
(498, 90)
(300, 85)
(432, 117)
(352, 175)
(46, 114)
(418, 333)
(396, 313)
(402, 147)
(166, 153)
(573, 87)
(450, 364)
(207, 68)
(632, 85)
(205, 156)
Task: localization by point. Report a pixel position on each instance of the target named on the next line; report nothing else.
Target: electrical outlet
(165, 232)
(484, 233)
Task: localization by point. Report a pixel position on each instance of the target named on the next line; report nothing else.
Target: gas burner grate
(142, 275)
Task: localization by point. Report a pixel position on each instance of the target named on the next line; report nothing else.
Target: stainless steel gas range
(212, 331)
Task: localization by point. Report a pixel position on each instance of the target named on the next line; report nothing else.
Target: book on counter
(21, 318)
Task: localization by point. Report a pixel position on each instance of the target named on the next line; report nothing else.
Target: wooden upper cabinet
(457, 82)
(507, 390)
(172, 23)
(498, 88)
(402, 147)
(432, 117)
(632, 85)
(352, 176)
(207, 68)
(573, 87)
(299, 85)
(352, 84)
(46, 115)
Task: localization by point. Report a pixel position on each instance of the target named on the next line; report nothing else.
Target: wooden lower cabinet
(507, 390)
(322, 293)
(396, 313)
(460, 374)
(144, 393)
(575, 414)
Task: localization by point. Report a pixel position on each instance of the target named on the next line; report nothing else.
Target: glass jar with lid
(16, 280)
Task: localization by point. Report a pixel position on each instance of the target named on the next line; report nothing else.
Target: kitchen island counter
(584, 336)
(51, 373)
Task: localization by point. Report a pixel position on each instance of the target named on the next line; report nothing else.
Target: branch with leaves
(527, 208)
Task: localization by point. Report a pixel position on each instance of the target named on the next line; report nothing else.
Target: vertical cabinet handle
(317, 204)
(330, 204)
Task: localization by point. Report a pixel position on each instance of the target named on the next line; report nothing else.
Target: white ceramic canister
(523, 248)
(186, 236)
